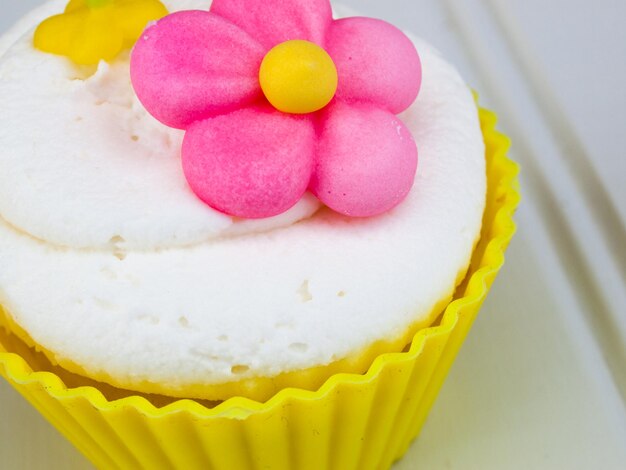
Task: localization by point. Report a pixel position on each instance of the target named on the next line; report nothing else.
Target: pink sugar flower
(199, 71)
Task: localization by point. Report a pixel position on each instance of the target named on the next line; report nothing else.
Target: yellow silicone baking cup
(352, 422)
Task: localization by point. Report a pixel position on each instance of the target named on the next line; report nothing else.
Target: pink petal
(193, 64)
(253, 163)
(366, 161)
(274, 21)
(376, 62)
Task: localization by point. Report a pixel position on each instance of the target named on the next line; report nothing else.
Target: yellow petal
(55, 35)
(74, 5)
(96, 39)
(94, 30)
(132, 17)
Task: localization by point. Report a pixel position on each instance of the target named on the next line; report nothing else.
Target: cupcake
(256, 239)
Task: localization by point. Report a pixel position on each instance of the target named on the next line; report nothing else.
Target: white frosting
(101, 169)
(182, 304)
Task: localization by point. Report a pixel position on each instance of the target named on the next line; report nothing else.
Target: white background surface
(541, 382)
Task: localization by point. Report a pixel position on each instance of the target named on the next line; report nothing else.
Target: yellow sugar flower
(93, 30)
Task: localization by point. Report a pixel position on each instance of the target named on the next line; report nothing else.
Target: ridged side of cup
(352, 422)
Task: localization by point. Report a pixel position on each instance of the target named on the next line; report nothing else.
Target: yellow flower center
(298, 77)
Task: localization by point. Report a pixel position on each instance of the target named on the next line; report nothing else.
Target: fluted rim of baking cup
(503, 228)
